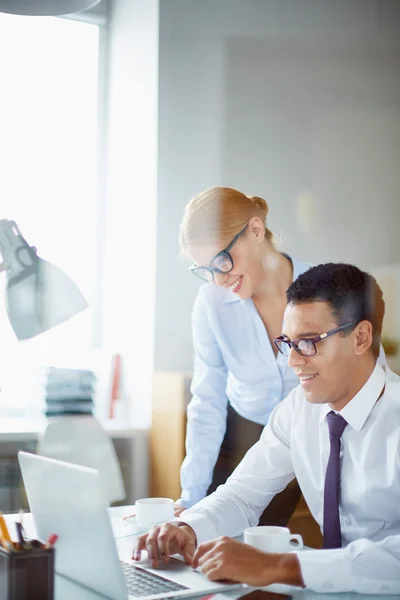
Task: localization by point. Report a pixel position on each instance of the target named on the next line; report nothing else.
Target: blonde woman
(239, 377)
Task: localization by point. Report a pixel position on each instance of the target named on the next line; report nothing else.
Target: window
(48, 157)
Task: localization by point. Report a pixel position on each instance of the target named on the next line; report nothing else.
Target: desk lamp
(39, 295)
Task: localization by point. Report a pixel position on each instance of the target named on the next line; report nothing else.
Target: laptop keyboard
(143, 583)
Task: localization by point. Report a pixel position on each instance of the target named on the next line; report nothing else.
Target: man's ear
(362, 337)
(257, 228)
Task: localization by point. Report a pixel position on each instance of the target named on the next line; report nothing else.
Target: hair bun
(260, 202)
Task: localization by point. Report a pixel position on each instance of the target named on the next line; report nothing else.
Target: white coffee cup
(272, 539)
(153, 511)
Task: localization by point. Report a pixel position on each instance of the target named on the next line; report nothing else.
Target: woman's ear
(363, 337)
(257, 228)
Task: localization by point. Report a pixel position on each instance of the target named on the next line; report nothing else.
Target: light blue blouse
(234, 362)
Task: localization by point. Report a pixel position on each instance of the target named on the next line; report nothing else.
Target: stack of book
(69, 392)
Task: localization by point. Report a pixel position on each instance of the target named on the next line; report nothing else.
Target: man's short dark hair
(351, 294)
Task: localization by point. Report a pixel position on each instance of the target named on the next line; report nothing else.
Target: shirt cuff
(201, 525)
(326, 570)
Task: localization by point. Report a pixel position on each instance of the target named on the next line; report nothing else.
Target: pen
(25, 544)
(19, 533)
(51, 541)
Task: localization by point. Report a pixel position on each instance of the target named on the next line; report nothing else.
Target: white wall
(297, 101)
(128, 284)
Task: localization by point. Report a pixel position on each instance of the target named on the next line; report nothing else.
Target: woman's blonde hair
(217, 215)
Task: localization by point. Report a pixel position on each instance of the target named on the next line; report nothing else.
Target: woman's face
(248, 254)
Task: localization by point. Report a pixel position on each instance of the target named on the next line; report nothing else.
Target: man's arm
(363, 566)
(264, 471)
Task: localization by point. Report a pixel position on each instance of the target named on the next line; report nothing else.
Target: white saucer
(134, 526)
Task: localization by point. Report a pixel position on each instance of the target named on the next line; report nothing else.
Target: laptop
(68, 500)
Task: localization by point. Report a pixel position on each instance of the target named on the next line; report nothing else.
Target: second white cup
(272, 539)
(153, 511)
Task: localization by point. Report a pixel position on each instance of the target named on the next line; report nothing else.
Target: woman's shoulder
(299, 266)
(214, 295)
(212, 298)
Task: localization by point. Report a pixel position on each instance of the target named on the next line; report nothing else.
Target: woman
(239, 377)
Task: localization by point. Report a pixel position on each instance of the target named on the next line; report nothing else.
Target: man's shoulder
(392, 385)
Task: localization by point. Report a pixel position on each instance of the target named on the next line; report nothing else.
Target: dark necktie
(332, 532)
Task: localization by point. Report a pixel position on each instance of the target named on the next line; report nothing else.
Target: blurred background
(112, 119)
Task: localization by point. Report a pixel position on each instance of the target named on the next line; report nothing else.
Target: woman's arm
(207, 410)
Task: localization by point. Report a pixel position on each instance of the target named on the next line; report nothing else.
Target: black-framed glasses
(221, 263)
(307, 347)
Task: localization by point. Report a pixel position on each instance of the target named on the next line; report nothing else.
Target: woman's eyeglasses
(221, 263)
(307, 347)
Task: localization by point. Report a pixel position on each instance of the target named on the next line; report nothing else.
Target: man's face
(326, 376)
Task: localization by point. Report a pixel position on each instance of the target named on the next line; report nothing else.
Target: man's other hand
(228, 559)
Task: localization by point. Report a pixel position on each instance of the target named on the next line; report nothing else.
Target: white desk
(29, 430)
(131, 445)
(66, 590)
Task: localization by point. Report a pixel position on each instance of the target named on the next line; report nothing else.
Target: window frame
(98, 15)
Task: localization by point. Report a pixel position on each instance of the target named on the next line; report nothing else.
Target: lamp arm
(15, 251)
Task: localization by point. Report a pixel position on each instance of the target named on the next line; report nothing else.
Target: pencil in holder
(27, 574)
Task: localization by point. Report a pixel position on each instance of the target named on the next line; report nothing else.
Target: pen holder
(27, 574)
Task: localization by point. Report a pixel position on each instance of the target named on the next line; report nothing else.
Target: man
(338, 432)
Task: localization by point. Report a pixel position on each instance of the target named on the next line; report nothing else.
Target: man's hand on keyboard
(162, 541)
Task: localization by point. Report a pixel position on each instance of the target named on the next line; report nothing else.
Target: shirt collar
(357, 411)
(298, 268)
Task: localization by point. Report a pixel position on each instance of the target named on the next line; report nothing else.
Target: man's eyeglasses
(307, 347)
(221, 263)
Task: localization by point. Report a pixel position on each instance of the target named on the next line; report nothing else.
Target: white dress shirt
(296, 443)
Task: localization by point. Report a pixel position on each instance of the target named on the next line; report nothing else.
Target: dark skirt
(240, 435)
